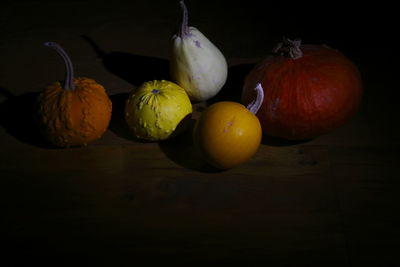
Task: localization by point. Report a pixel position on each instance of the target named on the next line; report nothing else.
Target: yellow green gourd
(154, 110)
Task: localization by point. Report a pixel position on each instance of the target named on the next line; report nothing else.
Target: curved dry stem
(255, 105)
(69, 71)
(184, 30)
(289, 48)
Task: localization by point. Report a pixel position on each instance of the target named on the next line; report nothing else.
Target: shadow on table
(277, 141)
(118, 124)
(135, 69)
(17, 118)
(181, 149)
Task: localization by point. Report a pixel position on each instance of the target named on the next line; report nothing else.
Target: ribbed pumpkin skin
(305, 97)
(74, 117)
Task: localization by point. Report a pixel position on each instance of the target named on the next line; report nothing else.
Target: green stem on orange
(69, 71)
(255, 105)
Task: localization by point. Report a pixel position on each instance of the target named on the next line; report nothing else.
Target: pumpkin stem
(289, 48)
(184, 30)
(69, 71)
(255, 105)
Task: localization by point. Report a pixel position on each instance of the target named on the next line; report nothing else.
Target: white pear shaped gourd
(196, 64)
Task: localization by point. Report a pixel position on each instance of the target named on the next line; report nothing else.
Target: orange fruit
(228, 134)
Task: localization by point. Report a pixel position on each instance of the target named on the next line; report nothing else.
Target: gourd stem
(69, 71)
(289, 48)
(255, 105)
(184, 30)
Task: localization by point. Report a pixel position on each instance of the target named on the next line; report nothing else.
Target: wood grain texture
(330, 201)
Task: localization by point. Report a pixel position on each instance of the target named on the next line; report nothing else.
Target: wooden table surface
(330, 201)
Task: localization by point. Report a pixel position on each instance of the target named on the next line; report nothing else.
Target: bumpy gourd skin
(74, 117)
(155, 109)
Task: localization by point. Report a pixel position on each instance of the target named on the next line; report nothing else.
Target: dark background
(330, 201)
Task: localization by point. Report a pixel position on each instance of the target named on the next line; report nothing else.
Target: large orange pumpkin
(229, 134)
(310, 90)
(75, 113)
